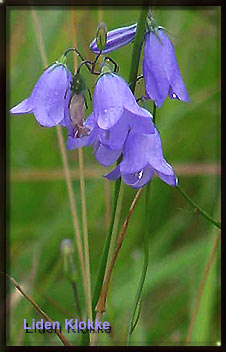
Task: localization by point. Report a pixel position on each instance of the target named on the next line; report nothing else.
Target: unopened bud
(67, 251)
(101, 36)
(67, 247)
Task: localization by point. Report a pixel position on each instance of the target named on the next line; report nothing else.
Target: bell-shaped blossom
(142, 159)
(160, 69)
(116, 39)
(113, 101)
(101, 141)
(115, 113)
(47, 100)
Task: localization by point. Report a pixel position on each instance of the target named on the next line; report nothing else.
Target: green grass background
(180, 241)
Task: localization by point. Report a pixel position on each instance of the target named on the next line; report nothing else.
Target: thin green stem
(116, 223)
(137, 318)
(103, 262)
(77, 304)
(139, 38)
(154, 113)
(132, 324)
(200, 210)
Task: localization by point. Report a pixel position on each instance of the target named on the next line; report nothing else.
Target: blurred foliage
(180, 241)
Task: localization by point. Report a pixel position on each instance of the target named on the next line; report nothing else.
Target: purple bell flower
(47, 100)
(115, 113)
(160, 69)
(113, 101)
(116, 39)
(142, 159)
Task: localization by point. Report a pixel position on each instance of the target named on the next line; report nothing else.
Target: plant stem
(132, 78)
(115, 226)
(77, 305)
(139, 38)
(64, 158)
(201, 211)
(154, 113)
(85, 234)
(103, 262)
(201, 288)
(36, 306)
(145, 265)
(88, 296)
(100, 308)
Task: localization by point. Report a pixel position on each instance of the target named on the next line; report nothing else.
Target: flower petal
(114, 174)
(139, 179)
(66, 122)
(156, 81)
(112, 91)
(170, 179)
(106, 156)
(177, 87)
(22, 108)
(141, 121)
(74, 143)
(155, 155)
(83, 141)
(48, 96)
(135, 153)
(108, 93)
(108, 118)
(115, 137)
(90, 122)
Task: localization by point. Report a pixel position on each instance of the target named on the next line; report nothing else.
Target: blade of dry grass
(39, 310)
(201, 287)
(83, 196)
(96, 172)
(101, 304)
(64, 158)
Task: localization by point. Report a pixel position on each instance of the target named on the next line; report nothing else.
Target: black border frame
(4, 184)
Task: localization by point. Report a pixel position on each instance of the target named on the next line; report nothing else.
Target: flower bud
(67, 251)
(116, 39)
(101, 36)
(67, 247)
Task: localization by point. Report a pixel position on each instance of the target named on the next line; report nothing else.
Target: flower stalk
(39, 310)
(198, 208)
(103, 262)
(132, 78)
(139, 38)
(132, 324)
(101, 305)
(64, 158)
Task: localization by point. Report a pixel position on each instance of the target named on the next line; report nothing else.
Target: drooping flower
(113, 101)
(160, 69)
(142, 159)
(116, 39)
(115, 113)
(47, 100)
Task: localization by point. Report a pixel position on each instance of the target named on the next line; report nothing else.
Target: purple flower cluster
(160, 69)
(118, 127)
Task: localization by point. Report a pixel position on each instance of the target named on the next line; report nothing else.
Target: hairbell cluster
(118, 128)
